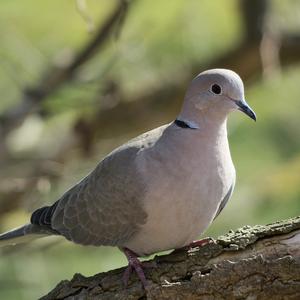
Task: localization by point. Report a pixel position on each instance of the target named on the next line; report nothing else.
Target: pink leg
(200, 243)
(133, 264)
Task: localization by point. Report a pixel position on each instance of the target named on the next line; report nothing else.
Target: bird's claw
(201, 243)
(136, 265)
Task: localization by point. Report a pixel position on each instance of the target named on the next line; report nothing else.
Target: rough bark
(259, 262)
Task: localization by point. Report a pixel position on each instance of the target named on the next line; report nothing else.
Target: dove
(160, 190)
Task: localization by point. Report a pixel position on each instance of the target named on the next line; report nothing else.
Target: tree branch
(259, 262)
(57, 76)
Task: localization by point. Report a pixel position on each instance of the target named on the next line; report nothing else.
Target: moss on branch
(260, 262)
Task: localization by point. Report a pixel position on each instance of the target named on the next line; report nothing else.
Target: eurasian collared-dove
(158, 191)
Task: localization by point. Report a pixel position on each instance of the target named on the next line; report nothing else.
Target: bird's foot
(133, 264)
(201, 243)
(194, 244)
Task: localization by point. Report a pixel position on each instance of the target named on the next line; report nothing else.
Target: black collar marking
(182, 124)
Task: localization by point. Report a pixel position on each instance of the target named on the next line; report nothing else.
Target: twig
(57, 76)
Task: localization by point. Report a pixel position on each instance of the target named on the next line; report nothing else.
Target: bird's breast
(183, 201)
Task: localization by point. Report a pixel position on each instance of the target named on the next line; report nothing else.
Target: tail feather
(24, 234)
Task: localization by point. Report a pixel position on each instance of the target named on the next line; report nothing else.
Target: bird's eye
(216, 89)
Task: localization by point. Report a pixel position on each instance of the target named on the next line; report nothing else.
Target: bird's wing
(105, 208)
(225, 199)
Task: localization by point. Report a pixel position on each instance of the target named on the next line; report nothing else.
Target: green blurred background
(54, 127)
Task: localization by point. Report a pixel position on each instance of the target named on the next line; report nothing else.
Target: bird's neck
(206, 122)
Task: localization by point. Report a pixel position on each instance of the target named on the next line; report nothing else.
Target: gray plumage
(105, 208)
(225, 200)
(24, 234)
(160, 190)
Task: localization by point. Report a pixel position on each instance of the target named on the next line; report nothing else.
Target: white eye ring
(216, 89)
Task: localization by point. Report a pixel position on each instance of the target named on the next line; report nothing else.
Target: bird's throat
(186, 124)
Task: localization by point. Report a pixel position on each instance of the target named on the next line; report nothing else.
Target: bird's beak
(245, 108)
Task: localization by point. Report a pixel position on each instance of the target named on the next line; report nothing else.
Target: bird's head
(215, 93)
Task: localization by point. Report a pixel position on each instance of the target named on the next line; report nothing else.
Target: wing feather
(105, 208)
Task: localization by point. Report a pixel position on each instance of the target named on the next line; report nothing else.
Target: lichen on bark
(254, 262)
